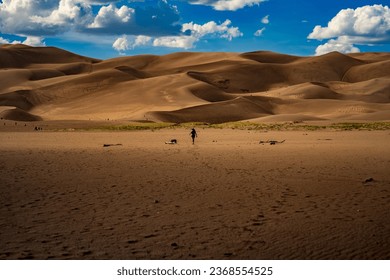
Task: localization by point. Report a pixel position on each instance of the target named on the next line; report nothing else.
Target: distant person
(193, 135)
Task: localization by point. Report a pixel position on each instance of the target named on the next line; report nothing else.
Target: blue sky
(104, 29)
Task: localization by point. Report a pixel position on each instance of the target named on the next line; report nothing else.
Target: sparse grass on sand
(286, 126)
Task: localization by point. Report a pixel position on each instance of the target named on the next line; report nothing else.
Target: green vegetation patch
(286, 126)
(362, 126)
(137, 126)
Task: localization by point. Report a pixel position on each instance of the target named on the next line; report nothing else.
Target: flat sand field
(318, 195)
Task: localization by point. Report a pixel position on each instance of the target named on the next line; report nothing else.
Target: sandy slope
(52, 84)
(64, 196)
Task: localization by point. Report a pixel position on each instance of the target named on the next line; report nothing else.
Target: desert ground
(318, 195)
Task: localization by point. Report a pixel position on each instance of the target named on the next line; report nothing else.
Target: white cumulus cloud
(259, 32)
(223, 30)
(227, 5)
(109, 15)
(182, 42)
(368, 20)
(121, 44)
(6, 41)
(41, 18)
(341, 44)
(364, 25)
(51, 18)
(3, 41)
(99, 2)
(34, 41)
(125, 43)
(192, 33)
(30, 41)
(141, 40)
(265, 20)
(198, 32)
(66, 12)
(155, 18)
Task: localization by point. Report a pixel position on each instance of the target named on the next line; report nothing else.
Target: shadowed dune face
(53, 84)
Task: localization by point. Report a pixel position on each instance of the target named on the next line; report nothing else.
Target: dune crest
(53, 84)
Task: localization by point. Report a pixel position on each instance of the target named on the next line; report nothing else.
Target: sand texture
(45, 83)
(318, 195)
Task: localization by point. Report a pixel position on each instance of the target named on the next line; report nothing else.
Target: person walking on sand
(193, 135)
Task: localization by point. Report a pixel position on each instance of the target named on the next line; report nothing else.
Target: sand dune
(12, 113)
(52, 84)
(368, 71)
(231, 110)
